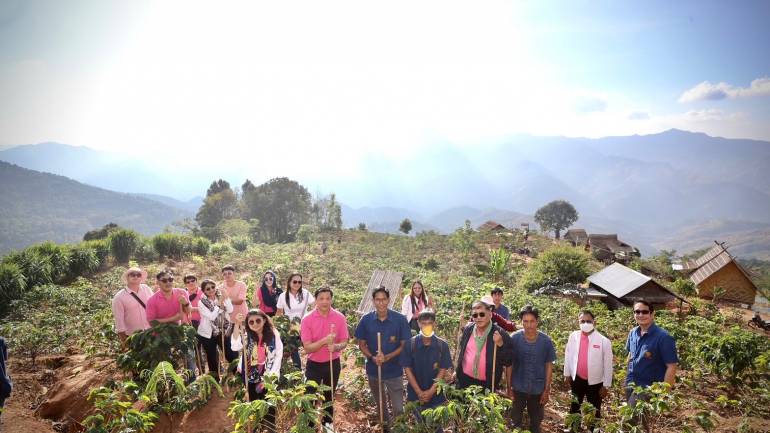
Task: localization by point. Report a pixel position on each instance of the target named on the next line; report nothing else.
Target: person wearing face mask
(426, 360)
(588, 364)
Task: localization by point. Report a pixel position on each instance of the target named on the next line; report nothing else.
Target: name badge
(596, 346)
(392, 338)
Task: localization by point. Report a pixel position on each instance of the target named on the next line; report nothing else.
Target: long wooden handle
(379, 382)
(494, 364)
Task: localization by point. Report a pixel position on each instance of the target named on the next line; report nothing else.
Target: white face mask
(586, 327)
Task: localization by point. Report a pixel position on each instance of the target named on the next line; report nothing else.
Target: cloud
(711, 114)
(707, 91)
(639, 115)
(590, 104)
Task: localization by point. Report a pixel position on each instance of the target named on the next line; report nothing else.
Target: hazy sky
(319, 85)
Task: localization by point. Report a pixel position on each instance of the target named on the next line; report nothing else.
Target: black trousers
(582, 390)
(268, 422)
(209, 346)
(319, 372)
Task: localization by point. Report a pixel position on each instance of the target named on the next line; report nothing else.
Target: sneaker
(328, 428)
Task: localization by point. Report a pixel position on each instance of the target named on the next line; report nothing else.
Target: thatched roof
(491, 225)
(611, 244)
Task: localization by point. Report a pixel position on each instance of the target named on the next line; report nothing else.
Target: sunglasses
(134, 274)
(209, 288)
(255, 322)
(482, 315)
(586, 321)
(296, 282)
(641, 312)
(167, 280)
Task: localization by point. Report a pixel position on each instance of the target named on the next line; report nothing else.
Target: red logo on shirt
(596, 346)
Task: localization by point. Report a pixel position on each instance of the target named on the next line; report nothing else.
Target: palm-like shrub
(123, 243)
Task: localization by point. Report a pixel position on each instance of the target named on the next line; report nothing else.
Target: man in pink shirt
(234, 290)
(169, 304)
(588, 364)
(324, 334)
(129, 303)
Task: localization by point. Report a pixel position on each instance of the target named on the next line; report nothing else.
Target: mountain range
(675, 189)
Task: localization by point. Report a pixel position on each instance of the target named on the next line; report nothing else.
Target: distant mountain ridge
(36, 207)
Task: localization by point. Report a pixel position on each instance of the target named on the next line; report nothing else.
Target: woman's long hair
(288, 288)
(267, 326)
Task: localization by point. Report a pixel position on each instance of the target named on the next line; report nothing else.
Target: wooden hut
(718, 268)
(609, 249)
(493, 227)
(577, 237)
(623, 286)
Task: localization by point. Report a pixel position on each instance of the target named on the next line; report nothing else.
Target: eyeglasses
(482, 315)
(641, 312)
(255, 322)
(134, 274)
(296, 281)
(586, 321)
(167, 280)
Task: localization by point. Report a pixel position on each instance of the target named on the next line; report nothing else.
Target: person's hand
(330, 340)
(546, 396)
(498, 339)
(379, 359)
(603, 392)
(239, 318)
(425, 397)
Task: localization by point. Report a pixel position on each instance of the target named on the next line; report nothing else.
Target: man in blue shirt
(500, 308)
(651, 352)
(394, 332)
(533, 358)
(426, 360)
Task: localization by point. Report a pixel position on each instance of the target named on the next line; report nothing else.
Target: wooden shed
(392, 282)
(576, 237)
(609, 249)
(719, 268)
(492, 226)
(623, 286)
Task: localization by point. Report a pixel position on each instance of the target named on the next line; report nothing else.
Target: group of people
(396, 345)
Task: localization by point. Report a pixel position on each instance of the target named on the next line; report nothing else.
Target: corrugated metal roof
(392, 282)
(618, 280)
(712, 261)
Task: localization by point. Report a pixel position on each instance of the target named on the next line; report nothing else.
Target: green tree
(281, 206)
(362, 227)
(327, 213)
(220, 203)
(557, 216)
(406, 226)
(561, 265)
(101, 233)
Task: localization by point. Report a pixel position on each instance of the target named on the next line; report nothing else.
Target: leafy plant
(84, 260)
(556, 266)
(200, 246)
(114, 412)
(498, 262)
(161, 343)
(733, 353)
(12, 284)
(123, 243)
(240, 243)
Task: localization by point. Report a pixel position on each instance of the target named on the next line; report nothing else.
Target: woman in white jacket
(413, 304)
(588, 364)
(214, 308)
(263, 352)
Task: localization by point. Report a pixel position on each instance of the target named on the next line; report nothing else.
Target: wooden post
(494, 364)
(379, 384)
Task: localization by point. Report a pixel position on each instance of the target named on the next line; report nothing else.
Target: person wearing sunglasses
(263, 352)
(268, 293)
(533, 359)
(651, 352)
(214, 309)
(129, 303)
(294, 304)
(476, 351)
(194, 295)
(588, 364)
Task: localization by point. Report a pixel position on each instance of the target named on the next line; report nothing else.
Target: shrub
(36, 267)
(123, 243)
(733, 353)
(145, 251)
(219, 250)
(306, 233)
(102, 249)
(200, 246)
(164, 342)
(58, 256)
(170, 245)
(556, 266)
(101, 233)
(83, 261)
(12, 284)
(114, 412)
(240, 243)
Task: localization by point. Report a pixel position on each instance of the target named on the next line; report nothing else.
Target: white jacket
(406, 307)
(273, 359)
(208, 316)
(599, 358)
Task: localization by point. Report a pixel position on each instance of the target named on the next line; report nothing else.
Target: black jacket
(5, 380)
(504, 356)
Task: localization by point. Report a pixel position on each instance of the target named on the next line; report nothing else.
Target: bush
(556, 266)
(145, 251)
(240, 243)
(123, 243)
(200, 246)
(164, 342)
(36, 267)
(219, 250)
(12, 284)
(171, 245)
(83, 261)
(306, 233)
(58, 256)
(733, 353)
(102, 249)
(101, 233)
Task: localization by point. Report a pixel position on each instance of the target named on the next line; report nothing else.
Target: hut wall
(737, 287)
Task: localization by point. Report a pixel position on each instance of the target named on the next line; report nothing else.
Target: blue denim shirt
(529, 360)
(649, 354)
(425, 363)
(394, 329)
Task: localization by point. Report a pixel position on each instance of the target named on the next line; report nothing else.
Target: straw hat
(143, 278)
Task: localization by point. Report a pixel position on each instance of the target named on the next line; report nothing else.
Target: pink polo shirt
(582, 364)
(158, 307)
(315, 327)
(129, 315)
(470, 354)
(235, 292)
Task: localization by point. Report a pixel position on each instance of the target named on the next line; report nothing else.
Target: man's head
(165, 280)
(427, 321)
(529, 317)
(381, 298)
(481, 314)
(644, 313)
(134, 276)
(497, 295)
(323, 298)
(586, 321)
(191, 281)
(228, 273)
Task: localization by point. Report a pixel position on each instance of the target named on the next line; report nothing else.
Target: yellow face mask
(427, 331)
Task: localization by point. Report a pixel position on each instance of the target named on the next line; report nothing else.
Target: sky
(317, 87)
